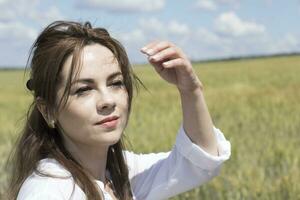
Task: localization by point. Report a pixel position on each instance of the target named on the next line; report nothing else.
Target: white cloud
(206, 5)
(22, 10)
(132, 42)
(212, 5)
(7, 15)
(177, 28)
(233, 3)
(157, 28)
(47, 16)
(15, 32)
(240, 39)
(152, 29)
(7, 11)
(207, 36)
(134, 37)
(152, 25)
(16, 39)
(197, 43)
(123, 5)
(291, 41)
(288, 43)
(269, 2)
(3, 2)
(15, 14)
(19, 22)
(228, 1)
(231, 25)
(229, 36)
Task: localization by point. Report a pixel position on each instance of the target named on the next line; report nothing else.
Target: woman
(71, 146)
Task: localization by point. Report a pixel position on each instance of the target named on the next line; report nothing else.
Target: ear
(44, 110)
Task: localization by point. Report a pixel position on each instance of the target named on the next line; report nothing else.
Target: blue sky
(204, 29)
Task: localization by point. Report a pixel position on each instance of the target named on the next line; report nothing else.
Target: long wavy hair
(38, 141)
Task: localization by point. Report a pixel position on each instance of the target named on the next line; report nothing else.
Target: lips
(108, 119)
(108, 123)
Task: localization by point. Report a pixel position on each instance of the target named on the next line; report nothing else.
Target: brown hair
(38, 141)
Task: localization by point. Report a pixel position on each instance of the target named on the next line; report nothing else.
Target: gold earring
(51, 124)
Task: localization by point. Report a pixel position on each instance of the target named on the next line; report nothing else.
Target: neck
(92, 159)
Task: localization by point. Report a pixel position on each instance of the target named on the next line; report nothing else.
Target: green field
(254, 102)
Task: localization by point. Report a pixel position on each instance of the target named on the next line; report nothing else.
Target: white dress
(154, 176)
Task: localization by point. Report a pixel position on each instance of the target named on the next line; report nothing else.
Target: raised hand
(172, 65)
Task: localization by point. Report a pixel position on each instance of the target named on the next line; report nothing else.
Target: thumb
(157, 65)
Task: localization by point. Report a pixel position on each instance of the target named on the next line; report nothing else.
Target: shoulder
(57, 183)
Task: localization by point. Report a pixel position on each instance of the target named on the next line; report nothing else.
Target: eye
(82, 90)
(118, 83)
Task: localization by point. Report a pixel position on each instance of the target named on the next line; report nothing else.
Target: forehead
(97, 62)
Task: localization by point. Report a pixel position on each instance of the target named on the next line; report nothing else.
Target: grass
(254, 102)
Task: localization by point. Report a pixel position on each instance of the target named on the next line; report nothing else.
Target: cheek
(74, 115)
(123, 101)
(122, 105)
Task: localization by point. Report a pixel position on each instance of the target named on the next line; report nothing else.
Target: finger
(157, 66)
(148, 46)
(175, 63)
(156, 47)
(168, 53)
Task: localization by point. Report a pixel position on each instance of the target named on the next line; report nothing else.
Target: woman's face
(97, 109)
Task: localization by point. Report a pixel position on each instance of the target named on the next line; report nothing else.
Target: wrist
(199, 89)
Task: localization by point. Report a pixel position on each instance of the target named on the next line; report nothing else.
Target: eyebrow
(90, 80)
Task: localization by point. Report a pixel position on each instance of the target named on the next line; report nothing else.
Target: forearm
(197, 122)
(173, 66)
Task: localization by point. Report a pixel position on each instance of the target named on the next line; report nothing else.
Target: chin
(111, 138)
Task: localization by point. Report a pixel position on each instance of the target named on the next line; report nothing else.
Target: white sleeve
(40, 196)
(163, 175)
(47, 188)
(35, 189)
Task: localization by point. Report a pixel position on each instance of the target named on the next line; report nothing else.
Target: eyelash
(82, 90)
(116, 84)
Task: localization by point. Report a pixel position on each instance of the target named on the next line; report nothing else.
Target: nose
(105, 103)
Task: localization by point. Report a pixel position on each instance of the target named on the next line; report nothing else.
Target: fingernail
(144, 49)
(153, 57)
(166, 64)
(150, 51)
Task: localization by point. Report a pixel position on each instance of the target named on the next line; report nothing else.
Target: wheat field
(254, 102)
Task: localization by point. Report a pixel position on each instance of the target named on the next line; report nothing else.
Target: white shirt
(154, 176)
